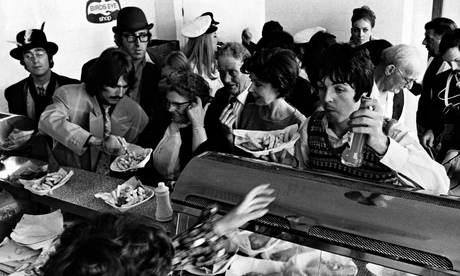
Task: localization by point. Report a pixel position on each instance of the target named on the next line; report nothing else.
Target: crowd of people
(192, 102)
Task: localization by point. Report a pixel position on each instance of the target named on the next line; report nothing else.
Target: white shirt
(405, 156)
(409, 111)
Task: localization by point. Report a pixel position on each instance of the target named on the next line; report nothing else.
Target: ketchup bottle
(164, 210)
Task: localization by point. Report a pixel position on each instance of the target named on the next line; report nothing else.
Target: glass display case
(323, 224)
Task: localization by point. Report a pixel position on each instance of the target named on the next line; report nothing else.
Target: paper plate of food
(252, 244)
(127, 195)
(135, 158)
(320, 263)
(48, 183)
(261, 143)
(28, 171)
(385, 271)
(284, 250)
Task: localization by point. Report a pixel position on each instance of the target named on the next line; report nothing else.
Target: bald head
(400, 66)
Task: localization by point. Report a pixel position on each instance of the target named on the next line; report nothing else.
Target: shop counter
(77, 195)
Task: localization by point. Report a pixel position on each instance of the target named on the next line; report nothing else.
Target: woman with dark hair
(110, 244)
(186, 98)
(273, 73)
(362, 23)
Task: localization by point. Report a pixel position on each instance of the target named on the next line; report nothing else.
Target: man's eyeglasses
(408, 81)
(176, 106)
(132, 38)
(38, 55)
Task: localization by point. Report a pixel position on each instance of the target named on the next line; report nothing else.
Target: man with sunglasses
(30, 96)
(398, 69)
(132, 35)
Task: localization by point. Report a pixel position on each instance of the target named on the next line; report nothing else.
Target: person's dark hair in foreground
(112, 244)
(357, 71)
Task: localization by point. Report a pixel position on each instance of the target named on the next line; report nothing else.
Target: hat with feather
(32, 38)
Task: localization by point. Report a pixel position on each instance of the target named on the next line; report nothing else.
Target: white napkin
(33, 229)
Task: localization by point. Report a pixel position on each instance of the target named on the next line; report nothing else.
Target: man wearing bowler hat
(30, 96)
(132, 36)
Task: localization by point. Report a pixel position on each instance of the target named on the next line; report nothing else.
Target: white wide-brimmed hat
(200, 25)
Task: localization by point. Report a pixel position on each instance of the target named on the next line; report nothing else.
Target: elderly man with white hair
(399, 67)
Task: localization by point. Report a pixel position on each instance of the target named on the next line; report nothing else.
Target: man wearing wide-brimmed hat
(30, 96)
(132, 35)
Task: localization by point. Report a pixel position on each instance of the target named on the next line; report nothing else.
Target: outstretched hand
(253, 206)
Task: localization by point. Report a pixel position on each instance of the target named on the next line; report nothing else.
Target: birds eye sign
(102, 11)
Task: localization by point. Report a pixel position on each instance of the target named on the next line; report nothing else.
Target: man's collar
(243, 95)
(148, 58)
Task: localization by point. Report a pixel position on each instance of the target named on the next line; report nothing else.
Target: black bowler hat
(32, 38)
(131, 19)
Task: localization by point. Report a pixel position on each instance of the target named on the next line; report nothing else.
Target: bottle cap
(161, 187)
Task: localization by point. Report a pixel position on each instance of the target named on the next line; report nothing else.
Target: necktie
(107, 124)
(41, 91)
(232, 101)
(235, 104)
(398, 104)
(103, 163)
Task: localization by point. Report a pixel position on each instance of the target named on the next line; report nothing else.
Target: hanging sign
(102, 11)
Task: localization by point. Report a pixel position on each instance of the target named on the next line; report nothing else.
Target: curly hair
(344, 64)
(111, 244)
(276, 66)
(112, 64)
(186, 84)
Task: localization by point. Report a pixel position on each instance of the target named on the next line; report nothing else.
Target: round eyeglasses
(408, 81)
(38, 55)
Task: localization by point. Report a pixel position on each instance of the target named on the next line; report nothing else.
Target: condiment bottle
(352, 155)
(164, 210)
